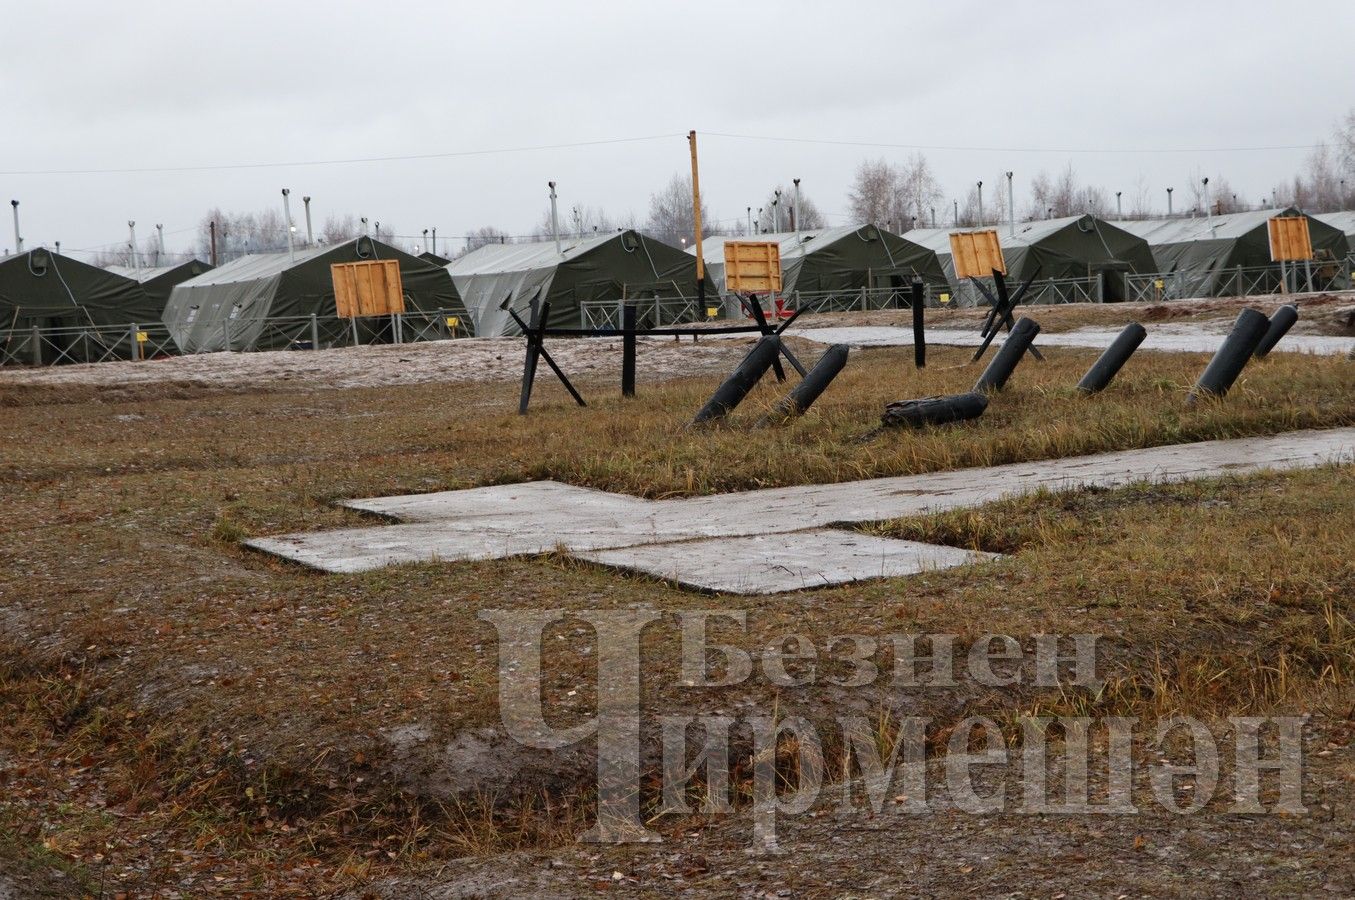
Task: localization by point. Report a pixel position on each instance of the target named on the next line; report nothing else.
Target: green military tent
(81, 311)
(603, 269)
(1343, 221)
(1206, 256)
(158, 281)
(1071, 247)
(265, 301)
(839, 260)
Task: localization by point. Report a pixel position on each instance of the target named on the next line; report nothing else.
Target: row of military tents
(277, 300)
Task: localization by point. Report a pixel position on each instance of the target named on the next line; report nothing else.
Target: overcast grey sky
(98, 86)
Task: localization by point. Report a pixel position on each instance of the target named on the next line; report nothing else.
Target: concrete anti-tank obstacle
(1108, 365)
(994, 378)
(803, 395)
(742, 380)
(1231, 358)
(1280, 323)
(935, 410)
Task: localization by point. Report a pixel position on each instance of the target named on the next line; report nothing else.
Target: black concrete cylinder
(749, 371)
(935, 410)
(1117, 354)
(1232, 357)
(803, 395)
(994, 378)
(1280, 323)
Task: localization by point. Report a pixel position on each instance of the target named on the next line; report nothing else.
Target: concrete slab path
(1170, 338)
(537, 517)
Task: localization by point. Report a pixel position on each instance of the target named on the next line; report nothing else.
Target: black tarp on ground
(227, 308)
(39, 288)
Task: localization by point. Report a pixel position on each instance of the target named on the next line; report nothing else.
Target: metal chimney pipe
(435, 239)
(798, 208)
(18, 241)
(310, 235)
(1011, 207)
(211, 229)
(159, 242)
(1208, 213)
(287, 223)
(1169, 202)
(136, 259)
(750, 220)
(980, 204)
(425, 240)
(554, 218)
(58, 248)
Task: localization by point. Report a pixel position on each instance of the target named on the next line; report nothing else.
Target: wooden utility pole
(696, 217)
(211, 227)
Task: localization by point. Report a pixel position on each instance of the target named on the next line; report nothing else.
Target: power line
(1079, 150)
(339, 162)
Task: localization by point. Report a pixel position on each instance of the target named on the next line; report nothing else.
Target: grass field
(182, 708)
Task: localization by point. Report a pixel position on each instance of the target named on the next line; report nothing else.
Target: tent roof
(150, 273)
(791, 243)
(263, 265)
(1344, 220)
(1226, 227)
(494, 259)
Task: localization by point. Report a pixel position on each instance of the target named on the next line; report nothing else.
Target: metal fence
(605, 315)
(1311, 276)
(42, 346)
(37, 346)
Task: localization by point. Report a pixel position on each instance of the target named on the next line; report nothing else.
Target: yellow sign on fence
(977, 254)
(1289, 238)
(752, 266)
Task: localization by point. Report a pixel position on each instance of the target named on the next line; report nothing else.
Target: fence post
(354, 323)
(36, 348)
(315, 332)
(1241, 283)
(399, 329)
(863, 299)
(134, 350)
(628, 317)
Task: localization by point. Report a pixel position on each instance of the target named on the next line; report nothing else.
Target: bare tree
(917, 191)
(340, 228)
(1055, 197)
(672, 218)
(486, 234)
(779, 212)
(873, 193)
(898, 197)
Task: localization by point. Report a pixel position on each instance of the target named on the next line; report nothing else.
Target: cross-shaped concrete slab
(708, 541)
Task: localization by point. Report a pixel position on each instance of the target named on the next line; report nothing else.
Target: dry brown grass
(219, 696)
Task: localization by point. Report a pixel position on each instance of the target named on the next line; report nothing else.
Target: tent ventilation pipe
(554, 219)
(136, 259)
(1011, 207)
(159, 243)
(287, 224)
(310, 235)
(796, 212)
(18, 241)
